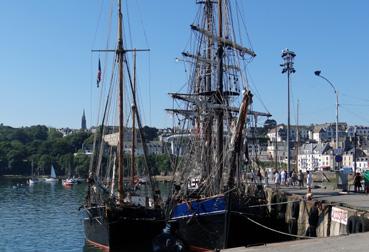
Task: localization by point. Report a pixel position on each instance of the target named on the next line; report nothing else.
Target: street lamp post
(318, 73)
(287, 65)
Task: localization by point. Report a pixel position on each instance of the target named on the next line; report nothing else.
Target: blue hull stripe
(205, 206)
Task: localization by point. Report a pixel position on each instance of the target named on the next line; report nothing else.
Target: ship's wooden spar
(236, 140)
(209, 61)
(224, 41)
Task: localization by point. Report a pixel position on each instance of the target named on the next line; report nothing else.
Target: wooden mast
(219, 97)
(120, 55)
(133, 158)
(209, 119)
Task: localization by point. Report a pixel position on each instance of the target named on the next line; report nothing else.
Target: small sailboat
(70, 181)
(33, 180)
(52, 178)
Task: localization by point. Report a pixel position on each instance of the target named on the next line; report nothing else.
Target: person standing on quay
(294, 178)
(277, 179)
(283, 177)
(309, 181)
(357, 182)
(260, 177)
(313, 220)
(300, 179)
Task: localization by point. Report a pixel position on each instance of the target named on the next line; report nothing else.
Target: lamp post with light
(287, 65)
(318, 73)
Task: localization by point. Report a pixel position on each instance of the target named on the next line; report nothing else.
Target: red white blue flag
(98, 79)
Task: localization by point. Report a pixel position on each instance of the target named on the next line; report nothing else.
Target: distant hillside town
(313, 147)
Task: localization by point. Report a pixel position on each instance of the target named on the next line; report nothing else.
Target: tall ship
(212, 204)
(117, 216)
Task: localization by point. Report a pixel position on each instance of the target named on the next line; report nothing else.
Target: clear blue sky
(48, 73)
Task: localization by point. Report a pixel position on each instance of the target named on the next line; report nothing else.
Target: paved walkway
(349, 243)
(359, 201)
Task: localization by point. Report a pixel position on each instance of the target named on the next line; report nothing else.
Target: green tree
(81, 163)
(54, 134)
(37, 132)
(44, 164)
(150, 133)
(66, 164)
(20, 135)
(77, 140)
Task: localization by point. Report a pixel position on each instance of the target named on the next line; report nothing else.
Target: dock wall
(332, 219)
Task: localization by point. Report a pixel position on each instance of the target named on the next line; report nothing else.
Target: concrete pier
(349, 243)
(338, 214)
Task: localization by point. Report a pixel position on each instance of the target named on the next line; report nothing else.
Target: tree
(37, 132)
(81, 163)
(66, 164)
(60, 147)
(163, 164)
(150, 133)
(54, 134)
(77, 140)
(20, 135)
(44, 164)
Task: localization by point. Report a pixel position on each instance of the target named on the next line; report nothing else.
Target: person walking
(265, 175)
(294, 178)
(283, 177)
(277, 179)
(300, 179)
(309, 181)
(357, 182)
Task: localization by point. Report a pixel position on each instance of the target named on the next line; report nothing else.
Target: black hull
(210, 231)
(122, 229)
(220, 222)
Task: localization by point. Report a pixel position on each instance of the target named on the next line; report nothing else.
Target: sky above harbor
(48, 73)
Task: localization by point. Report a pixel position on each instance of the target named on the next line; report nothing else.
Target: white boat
(69, 182)
(52, 177)
(33, 181)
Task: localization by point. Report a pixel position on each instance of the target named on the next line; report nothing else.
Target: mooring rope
(277, 203)
(273, 230)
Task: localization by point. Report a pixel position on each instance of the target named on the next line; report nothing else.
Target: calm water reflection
(41, 217)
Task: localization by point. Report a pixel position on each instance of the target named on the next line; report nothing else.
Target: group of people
(293, 179)
(358, 185)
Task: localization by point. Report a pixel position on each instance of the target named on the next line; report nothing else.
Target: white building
(153, 147)
(361, 159)
(279, 133)
(314, 156)
(327, 132)
(278, 151)
(361, 131)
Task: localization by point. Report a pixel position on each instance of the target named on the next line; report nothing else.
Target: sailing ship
(120, 218)
(52, 178)
(212, 204)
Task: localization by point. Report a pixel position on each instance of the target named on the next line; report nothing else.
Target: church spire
(83, 123)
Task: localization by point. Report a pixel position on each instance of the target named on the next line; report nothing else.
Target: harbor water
(41, 217)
